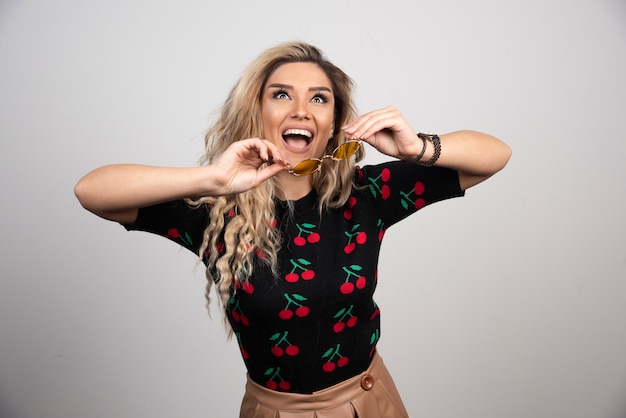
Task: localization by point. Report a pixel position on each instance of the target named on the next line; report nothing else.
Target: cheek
(327, 121)
(270, 118)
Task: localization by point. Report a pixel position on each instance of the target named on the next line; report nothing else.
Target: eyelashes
(317, 98)
(280, 94)
(323, 97)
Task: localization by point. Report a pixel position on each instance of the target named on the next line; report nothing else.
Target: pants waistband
(334, 395)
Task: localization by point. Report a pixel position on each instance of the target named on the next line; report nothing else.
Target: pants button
(367, 382)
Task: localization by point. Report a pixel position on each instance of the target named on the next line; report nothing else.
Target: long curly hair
(232, 247)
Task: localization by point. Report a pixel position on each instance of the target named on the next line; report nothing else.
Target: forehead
(302, 74)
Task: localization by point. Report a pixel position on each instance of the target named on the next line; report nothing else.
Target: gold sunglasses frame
(332, 156)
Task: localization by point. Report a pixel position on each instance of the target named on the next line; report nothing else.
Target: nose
(300, 109)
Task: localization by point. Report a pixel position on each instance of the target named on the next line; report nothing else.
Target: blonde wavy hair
(250, 236)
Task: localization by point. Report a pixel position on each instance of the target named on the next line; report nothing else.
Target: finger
(377, 123)
(268, 172)
(274, 154)
(363, 123)
(261, 150)
(371, 114)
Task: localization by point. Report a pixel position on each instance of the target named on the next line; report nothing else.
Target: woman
(290, 228)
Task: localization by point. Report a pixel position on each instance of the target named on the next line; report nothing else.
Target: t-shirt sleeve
(174, 220)
(399, 189)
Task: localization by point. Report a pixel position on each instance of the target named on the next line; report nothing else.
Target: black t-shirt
(316, 324)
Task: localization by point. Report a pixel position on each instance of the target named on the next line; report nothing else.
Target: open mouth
(297, 139)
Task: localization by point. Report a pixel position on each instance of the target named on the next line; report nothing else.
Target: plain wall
(509, 302)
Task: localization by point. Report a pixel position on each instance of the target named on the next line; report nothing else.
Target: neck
(293, 187)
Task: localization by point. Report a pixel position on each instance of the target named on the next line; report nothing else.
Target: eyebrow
(289, 87)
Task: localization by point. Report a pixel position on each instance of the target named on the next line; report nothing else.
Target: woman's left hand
(387, 131)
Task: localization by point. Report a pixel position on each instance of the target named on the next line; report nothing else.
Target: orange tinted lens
(346, 150)
(306, 167)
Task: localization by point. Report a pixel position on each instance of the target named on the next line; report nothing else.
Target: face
(297, 110)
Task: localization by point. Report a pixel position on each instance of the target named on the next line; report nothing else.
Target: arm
(476, 156)
(116, 192)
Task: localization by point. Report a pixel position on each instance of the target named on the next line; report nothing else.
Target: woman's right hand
(117, 191)
(240, 167)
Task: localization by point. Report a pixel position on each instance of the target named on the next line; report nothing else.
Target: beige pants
(371, 394)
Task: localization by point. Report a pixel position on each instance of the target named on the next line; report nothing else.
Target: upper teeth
(302, 132)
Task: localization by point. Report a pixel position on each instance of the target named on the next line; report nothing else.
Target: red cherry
(351, 322)
(308, 275)
(361, 237)
(292, 350)
(360, 282)
(342, 361)
(346, 288)
(284, 385)
(244, 354)
(271, 384)
(328, 366)
(303, 311)
(235, 316)
(277, 351)
(313, 237)
(339, 326)
(385, 192)
(292, 277)
(285, 314)
(381, 234)
(375, 314)
(420, 203)
(385, 174)
(347, 214)
(299, 241)
(352, 201)
(247, 287)
(418, 188)
(349, 248)
(244, 320)
(172, 232)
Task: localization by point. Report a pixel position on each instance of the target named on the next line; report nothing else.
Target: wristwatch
(433, 139)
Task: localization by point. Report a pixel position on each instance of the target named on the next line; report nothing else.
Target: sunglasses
(310, 166)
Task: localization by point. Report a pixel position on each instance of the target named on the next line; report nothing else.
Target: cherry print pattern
(244, 352)
(246, 286)
(344, 318)
(300, 311)
(306, 234)
(184, 239)
(381, 229)
(378, 185)
(352, 272)
(236, 313)
(301, 265)
(334, 359)
(354, 237)
(418, 202)
(321, 306)
(347, 213)
(275, 381)
(280, 340)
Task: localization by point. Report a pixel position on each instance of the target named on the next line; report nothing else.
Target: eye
(320, 98)
(280, 94)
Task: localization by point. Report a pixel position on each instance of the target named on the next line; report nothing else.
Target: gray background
(509, 302)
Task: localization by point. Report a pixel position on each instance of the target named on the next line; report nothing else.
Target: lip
(297, 150)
